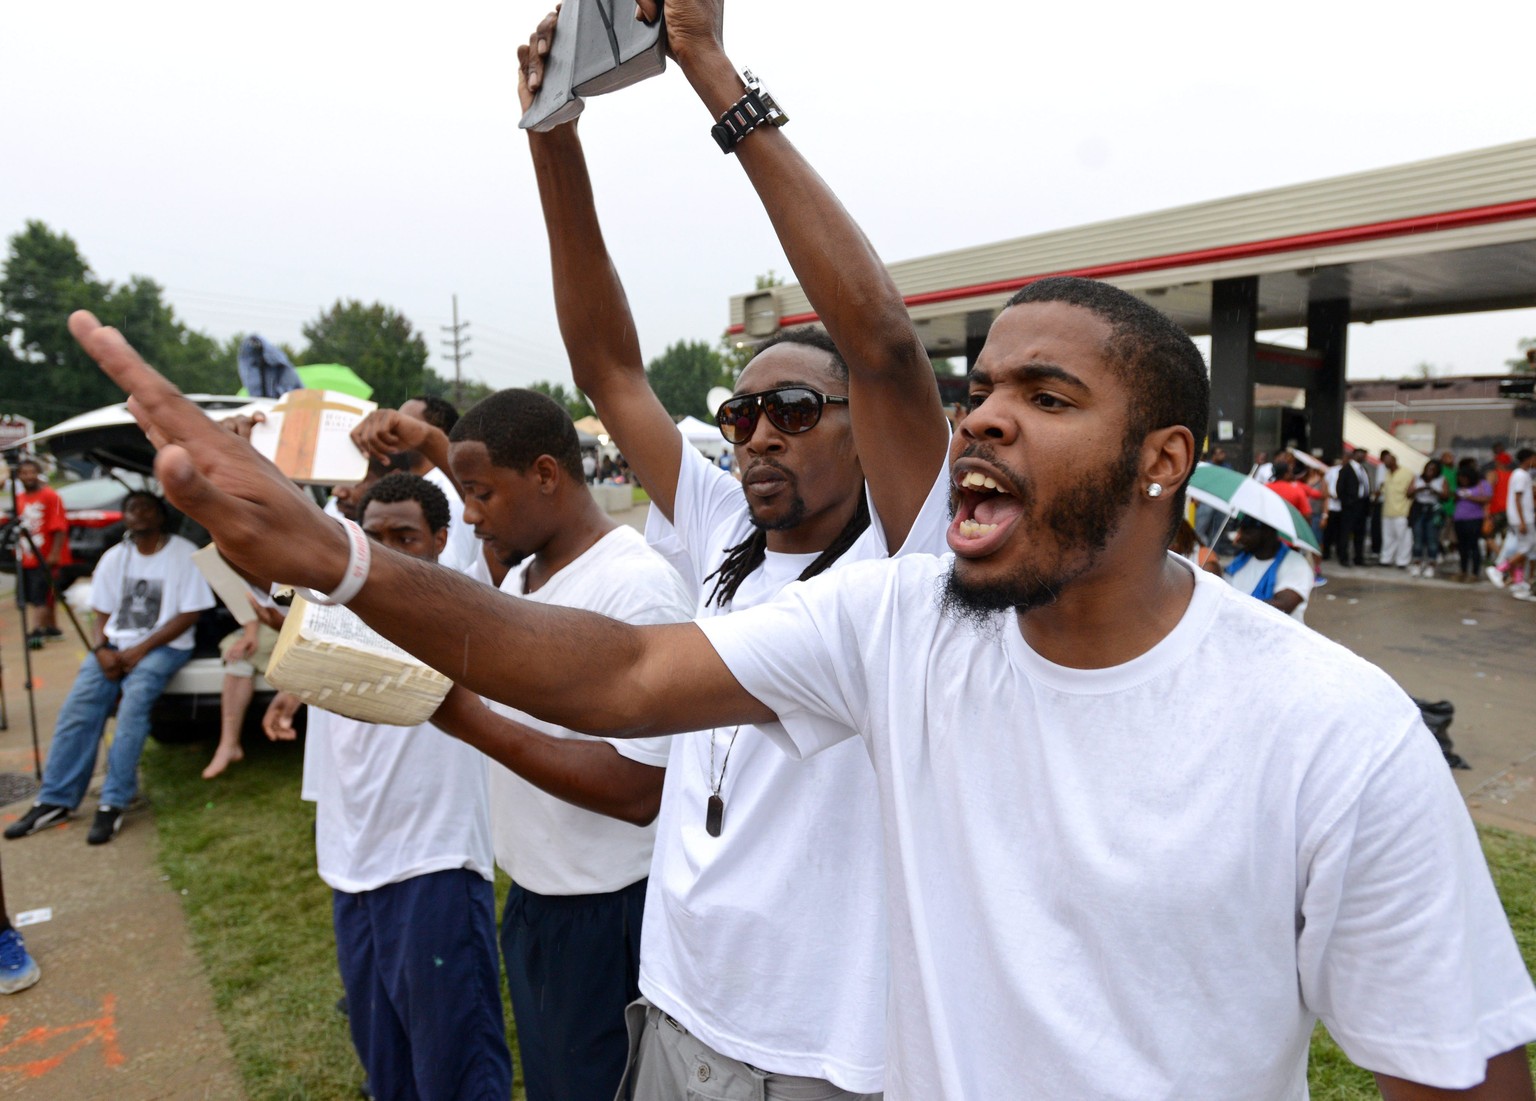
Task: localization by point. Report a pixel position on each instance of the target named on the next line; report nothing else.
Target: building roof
(1453, 234)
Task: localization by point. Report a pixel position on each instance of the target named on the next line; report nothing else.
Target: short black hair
(1523, 454)
(808, 336)
(153, 498)
(1163, 370)
(517, 426)
(400, 486)
(28, 460)
(438, 412)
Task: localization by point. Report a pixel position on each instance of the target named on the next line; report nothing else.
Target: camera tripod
(23, 536)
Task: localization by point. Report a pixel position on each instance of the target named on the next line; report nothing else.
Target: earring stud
(1155, 489)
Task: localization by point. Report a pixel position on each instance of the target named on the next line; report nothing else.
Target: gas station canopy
(1450, 235)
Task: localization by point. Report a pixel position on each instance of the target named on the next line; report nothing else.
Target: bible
(599, 47)
(329, 658)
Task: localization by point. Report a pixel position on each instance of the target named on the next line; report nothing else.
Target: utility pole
(456, 341)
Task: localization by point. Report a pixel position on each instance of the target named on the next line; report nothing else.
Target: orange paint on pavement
(102, 1030)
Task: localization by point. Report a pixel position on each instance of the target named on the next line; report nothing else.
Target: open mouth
(985, 511)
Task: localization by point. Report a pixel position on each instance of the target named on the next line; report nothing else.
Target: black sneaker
(105, 825)
(40, 817)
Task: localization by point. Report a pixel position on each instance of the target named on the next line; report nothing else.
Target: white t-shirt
(394, 802)
(1520, 490)
(1294, 574)
(768, 942)
(545, 844)
(1332, 477)
(143, 592)
(1147, 880)
(462, 549)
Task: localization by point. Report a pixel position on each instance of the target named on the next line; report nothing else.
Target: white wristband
(359, 558)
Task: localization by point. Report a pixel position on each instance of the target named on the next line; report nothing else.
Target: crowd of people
(1372, 510)
(857, 773)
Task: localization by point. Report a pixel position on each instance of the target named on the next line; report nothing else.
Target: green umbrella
(1232, 493)
(330, 376)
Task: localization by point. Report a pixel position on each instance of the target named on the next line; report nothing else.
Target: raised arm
(899, 426)
(595, 322)
(590, 673)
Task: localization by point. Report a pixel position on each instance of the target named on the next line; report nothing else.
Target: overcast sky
(262, 161)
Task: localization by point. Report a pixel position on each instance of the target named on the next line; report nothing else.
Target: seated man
(147, 595)
(1267, 569)
(403, 839)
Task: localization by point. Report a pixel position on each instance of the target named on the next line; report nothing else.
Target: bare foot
(222, 759)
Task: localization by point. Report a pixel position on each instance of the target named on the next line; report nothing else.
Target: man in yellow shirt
(1396, 497)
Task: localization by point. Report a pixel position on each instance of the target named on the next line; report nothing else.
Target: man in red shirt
(1498, 521)
(42, 517)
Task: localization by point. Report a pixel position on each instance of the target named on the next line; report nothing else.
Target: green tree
(683, 375)
(45, 375)
(378, 343)
(1524, 364)
(192, 360)
(575, 402)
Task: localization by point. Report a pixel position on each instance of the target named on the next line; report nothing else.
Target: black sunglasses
(791, 409)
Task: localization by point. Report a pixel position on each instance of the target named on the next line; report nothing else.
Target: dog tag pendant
(714, 815)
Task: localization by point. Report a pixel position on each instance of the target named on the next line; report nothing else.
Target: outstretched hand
(261, 521)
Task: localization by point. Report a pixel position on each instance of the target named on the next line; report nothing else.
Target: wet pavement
(1471, 644)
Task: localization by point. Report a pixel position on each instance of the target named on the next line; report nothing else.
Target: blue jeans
(1426, 535)
(83, 718)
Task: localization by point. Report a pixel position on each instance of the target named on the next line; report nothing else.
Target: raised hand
(530, 58)
(691, 24)
(385, 433)
(261, 521)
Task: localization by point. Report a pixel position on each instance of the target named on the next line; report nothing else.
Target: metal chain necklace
(714, 811)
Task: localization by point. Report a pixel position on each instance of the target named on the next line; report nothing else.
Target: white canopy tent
(705, 437)
(1361, 431)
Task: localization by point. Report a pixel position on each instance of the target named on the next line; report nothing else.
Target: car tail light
(95, 518)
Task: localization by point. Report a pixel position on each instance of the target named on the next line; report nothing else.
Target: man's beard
(792, 518)
(1083, 517)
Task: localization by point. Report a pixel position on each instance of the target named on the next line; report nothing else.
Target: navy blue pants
(573, 964)
(418, 961)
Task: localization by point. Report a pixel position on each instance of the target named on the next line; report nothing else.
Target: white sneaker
(1520, 590)
(1495, 576)
(1413, 571)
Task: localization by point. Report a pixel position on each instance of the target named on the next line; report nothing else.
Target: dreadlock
(751, 552)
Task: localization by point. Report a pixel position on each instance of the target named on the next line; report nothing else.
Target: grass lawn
(242, 849)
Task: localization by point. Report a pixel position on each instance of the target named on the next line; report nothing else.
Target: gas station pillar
(1328, 335)
(1234, 325)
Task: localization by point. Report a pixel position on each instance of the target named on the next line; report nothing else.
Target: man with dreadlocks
(763, 944)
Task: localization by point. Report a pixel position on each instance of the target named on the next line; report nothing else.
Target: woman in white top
(1425, 516)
